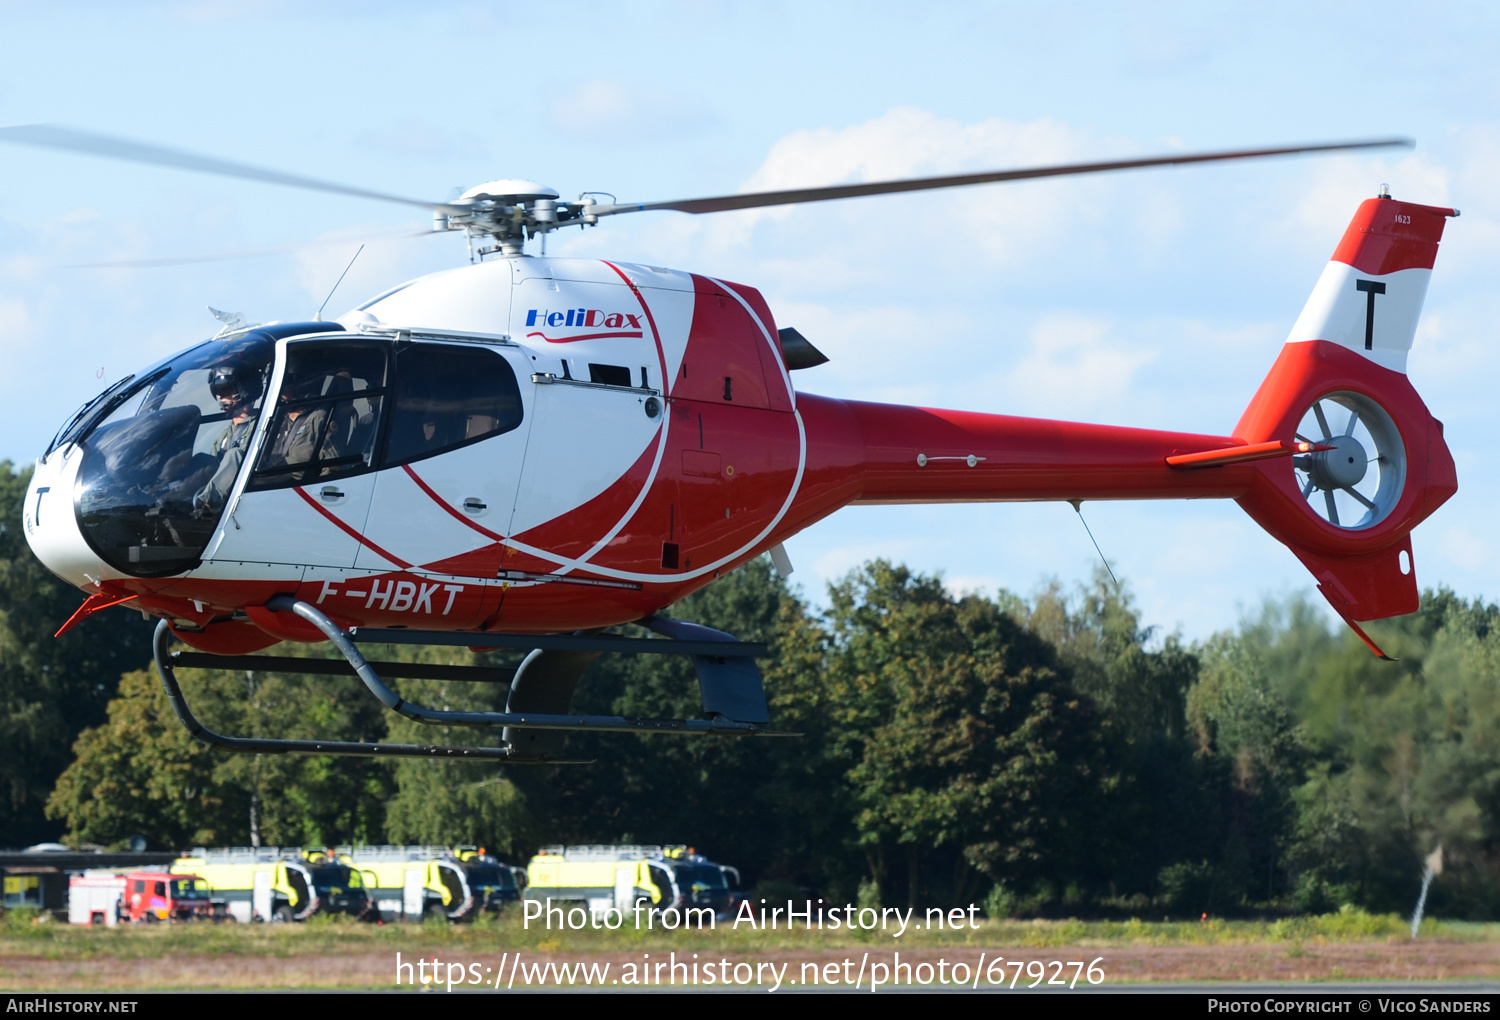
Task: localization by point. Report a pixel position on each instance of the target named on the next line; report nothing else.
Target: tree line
(1047, 756)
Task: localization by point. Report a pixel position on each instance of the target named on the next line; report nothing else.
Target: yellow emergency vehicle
(278, 883)
(413, 882)
(620, 877)
(494, 883)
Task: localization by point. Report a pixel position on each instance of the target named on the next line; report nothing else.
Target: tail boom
(901, 454)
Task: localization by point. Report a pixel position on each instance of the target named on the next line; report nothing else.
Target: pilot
(237, 385)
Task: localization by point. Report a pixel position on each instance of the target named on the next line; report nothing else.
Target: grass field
(334, 953)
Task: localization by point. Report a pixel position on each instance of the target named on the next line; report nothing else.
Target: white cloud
(910, 142)
(1075, 366)
(15, 322)
(614, 111)
(834, 563)
(1462, 548)
(417, 137)
(959, 585)
(1002, 221)
(1317, 202)
(383, 262)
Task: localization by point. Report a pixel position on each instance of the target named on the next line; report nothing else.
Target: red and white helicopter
(523, 450)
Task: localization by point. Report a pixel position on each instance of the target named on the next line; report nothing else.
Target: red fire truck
(157, 896)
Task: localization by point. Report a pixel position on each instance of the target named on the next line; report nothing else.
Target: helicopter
(523, 451)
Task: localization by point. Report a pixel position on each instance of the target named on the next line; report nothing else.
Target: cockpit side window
(326, 423)
(447, 396)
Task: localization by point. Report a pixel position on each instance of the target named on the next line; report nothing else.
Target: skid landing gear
(541, 688)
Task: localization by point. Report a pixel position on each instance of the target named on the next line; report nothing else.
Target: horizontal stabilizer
(1241, 454)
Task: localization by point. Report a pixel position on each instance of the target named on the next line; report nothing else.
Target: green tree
(966, 742)
(1408, 759)
(457, 803)
(51, 689)
(143, 772)
(1245, 727)
(1344, 770)
(1163, 802)
(448, 802)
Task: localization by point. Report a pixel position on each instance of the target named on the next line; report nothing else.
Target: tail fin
(1379, 465)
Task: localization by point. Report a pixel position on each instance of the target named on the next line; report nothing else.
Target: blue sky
(1157, 298)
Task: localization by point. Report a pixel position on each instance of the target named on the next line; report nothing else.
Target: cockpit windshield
(334, 876)
(190, 889)
(701, 876)
(490, 876)
(162, 452)
(89, 413)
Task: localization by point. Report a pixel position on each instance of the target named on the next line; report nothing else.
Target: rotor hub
(512, 212)
(1344, 465)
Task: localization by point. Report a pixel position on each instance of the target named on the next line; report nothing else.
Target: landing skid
(726, 671)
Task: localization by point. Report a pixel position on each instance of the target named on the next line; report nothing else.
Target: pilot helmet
(240, 374)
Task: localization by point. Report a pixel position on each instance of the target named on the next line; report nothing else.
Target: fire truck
(495, 883)
(279, 883)
(620, 877)
(416, 882)
(94, 897)
(107, 898)
(413, 882)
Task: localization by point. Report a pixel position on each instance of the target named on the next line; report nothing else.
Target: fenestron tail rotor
(1355, 478)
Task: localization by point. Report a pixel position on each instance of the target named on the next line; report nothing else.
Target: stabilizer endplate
(732, 687)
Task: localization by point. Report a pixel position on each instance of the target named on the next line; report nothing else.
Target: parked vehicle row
(397, 883)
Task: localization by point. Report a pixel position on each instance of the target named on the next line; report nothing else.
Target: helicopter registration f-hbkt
(524, 450)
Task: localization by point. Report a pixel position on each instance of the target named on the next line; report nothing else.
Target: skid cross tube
(161, 644)
(517, 720)
(569, 642)
(500, 675)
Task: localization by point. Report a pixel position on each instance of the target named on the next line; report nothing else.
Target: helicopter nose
(50, 523)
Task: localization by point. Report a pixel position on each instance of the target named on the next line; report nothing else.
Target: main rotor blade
(66, 139)
(755, 200)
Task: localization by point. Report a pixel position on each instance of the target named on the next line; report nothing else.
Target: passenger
(300, 436)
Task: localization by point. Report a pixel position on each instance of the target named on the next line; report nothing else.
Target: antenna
(319, 316)
(1078, 509)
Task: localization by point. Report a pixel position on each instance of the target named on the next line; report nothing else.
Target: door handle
(331, 494)
(474, 505)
